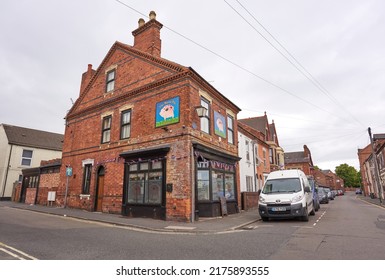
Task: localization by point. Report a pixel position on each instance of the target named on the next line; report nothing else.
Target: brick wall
(16, 193)
(249, 200)
(30, 195)
(48, 182)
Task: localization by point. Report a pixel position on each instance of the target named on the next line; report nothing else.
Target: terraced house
(20, 148)
(148, 137)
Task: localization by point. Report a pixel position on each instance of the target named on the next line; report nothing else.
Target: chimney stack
(86, 78)
(147, 35)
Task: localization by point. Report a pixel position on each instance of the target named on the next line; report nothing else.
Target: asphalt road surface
(345, 229)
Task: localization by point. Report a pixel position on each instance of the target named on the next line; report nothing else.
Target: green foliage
(351, 177)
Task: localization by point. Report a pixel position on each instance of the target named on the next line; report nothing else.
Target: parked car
(314, 190)
(334, 193)
(358, 191)
(322, 196)
(330, 194)
(286, 194)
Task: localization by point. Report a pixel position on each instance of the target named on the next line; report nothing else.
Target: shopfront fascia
(144, 187)
(216, 177)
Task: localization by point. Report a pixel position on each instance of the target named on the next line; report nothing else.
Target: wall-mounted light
(201, 111)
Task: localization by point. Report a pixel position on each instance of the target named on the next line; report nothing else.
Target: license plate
(276, 209)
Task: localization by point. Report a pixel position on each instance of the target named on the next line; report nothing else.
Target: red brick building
(300, 160)
(363, 155)
(323, 179)
(37, 182)
(136, 144)
(276, 153)
(367, 167)
(335, 181)
(327, 178)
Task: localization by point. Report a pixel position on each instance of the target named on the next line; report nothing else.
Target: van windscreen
(288, 185)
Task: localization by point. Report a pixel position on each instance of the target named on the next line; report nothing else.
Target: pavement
(375, 201)
(242, 220)
(202, 226)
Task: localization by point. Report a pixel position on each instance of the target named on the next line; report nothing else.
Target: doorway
(99, 190)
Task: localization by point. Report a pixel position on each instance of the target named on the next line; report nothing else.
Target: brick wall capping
(58, 164)
(145, 26)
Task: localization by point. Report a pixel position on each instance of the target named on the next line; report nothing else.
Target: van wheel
(305, 217)
(265, 219)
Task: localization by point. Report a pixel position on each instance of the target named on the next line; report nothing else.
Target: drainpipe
(193, 174)
(254, 167)
(6, 174)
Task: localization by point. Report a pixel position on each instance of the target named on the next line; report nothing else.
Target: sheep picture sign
(167, 112)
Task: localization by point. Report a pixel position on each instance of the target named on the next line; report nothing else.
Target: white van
(286, 194)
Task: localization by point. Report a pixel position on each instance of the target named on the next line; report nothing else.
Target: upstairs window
(110, 81)
(26, 158)
(247, 147)
(230, 129)
(125, 125)
(264, 157)
(271, 156)
(106, 129)
(205, 121)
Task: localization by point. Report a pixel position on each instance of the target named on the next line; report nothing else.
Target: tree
(351, 177)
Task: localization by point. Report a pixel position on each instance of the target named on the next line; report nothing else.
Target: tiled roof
(33, 138)
(258, 123)
(295, 157)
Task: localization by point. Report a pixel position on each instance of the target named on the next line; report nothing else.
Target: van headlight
(297, 198)
(262, 199)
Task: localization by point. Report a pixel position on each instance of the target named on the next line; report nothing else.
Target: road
(346, 228)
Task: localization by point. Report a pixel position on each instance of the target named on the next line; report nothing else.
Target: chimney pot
(152, 15)
(141, 22)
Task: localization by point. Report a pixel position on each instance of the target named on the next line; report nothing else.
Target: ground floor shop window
(145, 183)
(215, 180)
(203, 185)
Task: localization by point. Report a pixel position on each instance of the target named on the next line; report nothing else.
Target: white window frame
(23, 157)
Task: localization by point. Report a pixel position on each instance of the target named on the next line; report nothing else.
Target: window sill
(85, 196)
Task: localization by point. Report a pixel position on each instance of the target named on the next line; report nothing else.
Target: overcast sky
(327, 101)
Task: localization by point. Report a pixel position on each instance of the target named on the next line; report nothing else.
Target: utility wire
(237, 65)
(284, 116)
(349, 135)
(308, 75)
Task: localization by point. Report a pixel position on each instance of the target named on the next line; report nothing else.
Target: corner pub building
(149, 138)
